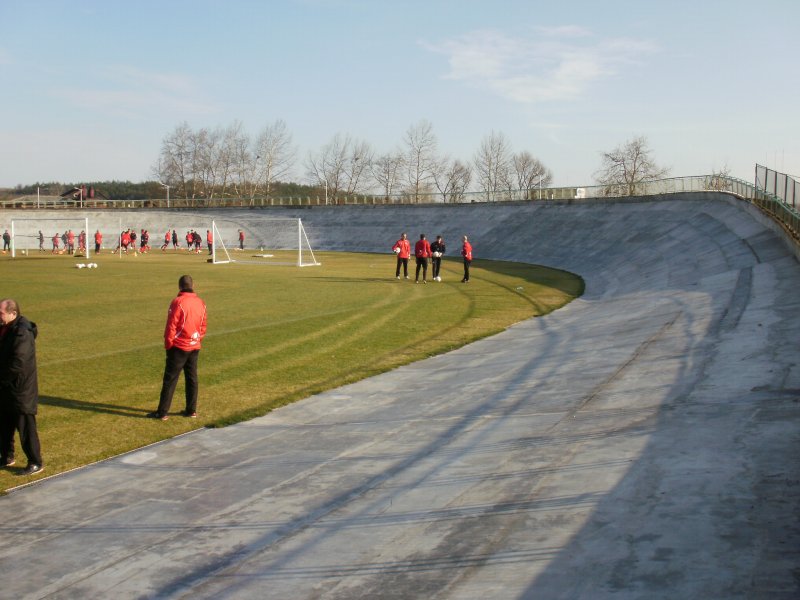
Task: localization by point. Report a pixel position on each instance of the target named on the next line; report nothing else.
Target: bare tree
(627, 166)
(174, 165)
(340, 165)
(452, 178)
(359, 161)
(386, 172)
(206, 150)
(233, 137)
(275, 154)
(420, 157)
(720, 179)
(493, 165)
(530, 173)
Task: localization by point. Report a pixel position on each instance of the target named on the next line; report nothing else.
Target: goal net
(61, 236)
(269, 241)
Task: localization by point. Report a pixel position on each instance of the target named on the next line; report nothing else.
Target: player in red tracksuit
(125, 240)
(466, 252)
(402, 248)
(210, 241)
(167, 238)
(98, 241)
(183, 334)
(422, 251)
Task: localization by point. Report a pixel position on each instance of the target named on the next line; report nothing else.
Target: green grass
(275, 335)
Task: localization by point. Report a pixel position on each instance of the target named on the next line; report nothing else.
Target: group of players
(66, 242)
(423, 250)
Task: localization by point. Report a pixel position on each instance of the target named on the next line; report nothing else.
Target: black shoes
(157, 415)
(32, 469)
(190, 414)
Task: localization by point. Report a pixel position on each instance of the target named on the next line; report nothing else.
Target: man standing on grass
(19, 387)
(402, 248)
(466, 252)
(185, 329)
(422, 250)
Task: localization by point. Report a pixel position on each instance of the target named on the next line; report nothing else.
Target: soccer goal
(30, 236)
(268, 241)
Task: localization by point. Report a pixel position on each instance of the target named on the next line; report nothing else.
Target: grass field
(275, 335)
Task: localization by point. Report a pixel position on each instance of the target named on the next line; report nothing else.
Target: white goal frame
(15, 232)
(305, 255)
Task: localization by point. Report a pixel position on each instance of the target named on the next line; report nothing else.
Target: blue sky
(91, 88)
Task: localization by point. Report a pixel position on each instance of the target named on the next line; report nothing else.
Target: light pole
(166, 186)
(326, 191)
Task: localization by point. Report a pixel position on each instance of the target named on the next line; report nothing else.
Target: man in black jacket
(19, 390)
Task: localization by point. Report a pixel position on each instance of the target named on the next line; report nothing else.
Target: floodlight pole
(166, 186)
(326, 191)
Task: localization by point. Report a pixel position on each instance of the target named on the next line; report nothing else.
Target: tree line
(229, 162)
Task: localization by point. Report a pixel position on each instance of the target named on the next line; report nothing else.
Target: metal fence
(765, 194)
(778, 184)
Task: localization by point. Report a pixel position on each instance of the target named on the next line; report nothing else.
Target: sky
(89, 89)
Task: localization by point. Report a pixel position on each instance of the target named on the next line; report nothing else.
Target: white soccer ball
(24, 252)
(437, 254)
(92, 265)
(396, 250)
(80, 265)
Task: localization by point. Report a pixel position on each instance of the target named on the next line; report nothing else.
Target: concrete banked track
(641, 442)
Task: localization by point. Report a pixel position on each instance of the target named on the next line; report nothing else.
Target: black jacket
(19, 389)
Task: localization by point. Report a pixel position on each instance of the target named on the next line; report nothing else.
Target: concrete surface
(642, 442)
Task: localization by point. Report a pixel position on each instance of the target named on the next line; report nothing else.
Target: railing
(780, 210)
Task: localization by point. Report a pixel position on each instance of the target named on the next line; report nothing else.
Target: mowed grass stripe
(276, 334)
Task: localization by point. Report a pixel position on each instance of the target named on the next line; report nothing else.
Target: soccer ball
(80, 265)
(24, 252)
(396, 250)
(437, 254)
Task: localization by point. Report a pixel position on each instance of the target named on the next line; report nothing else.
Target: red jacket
(422, 249)
(466, 251)
(186, 322)
(405, 248)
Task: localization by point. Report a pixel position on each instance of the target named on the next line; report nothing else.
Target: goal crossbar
(272, 241)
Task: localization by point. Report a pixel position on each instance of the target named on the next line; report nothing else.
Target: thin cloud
(133, 93)
(552, 65)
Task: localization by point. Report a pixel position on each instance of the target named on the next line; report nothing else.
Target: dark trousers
(404, 262)
(177, 361)
(28, 437)
(466, 269)
(422, 262)
(437, 265)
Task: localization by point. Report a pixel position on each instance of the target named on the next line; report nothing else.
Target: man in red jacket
(422, 251)
(185, 329)
(402, 248)
(466, 252)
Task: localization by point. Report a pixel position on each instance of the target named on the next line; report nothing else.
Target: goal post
(266, 241)
(28, 235)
